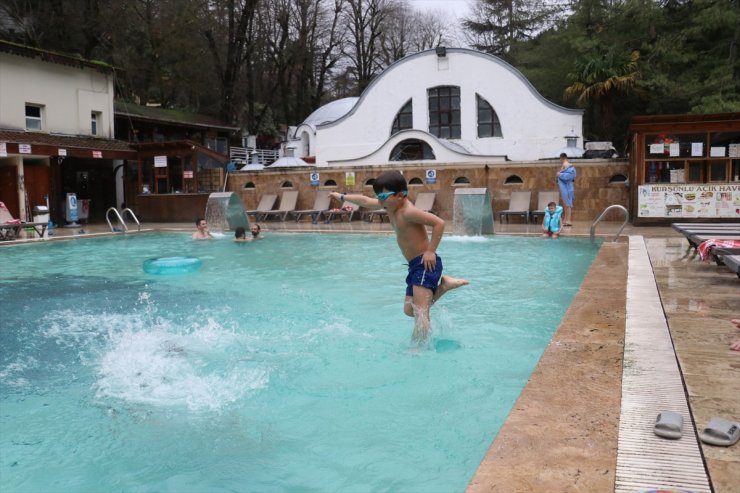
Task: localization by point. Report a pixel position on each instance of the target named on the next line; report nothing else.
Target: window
(249, 185)
(488, 124)
(444, 112)
(94, 123)
(462, 180)
(33, 117)
(411, 150)
(404, 119)
(330, 183)
(513, 180)
(415, 181)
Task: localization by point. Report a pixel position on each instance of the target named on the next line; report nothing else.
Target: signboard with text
(700, 200)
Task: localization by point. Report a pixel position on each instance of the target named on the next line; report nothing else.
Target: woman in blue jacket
(566, 178)
(551, 223)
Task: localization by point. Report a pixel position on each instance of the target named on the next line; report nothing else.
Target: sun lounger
(267, 202)
(320, 206)
(733, 263)
(425, 201)
(287, 205)
(347, 210)
(544, 198)
(10, 228)
(370, 214)
(518, 206)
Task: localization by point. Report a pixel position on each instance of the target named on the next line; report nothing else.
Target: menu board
(689, 201)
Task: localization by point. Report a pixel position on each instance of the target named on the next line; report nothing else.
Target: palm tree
(598, 79)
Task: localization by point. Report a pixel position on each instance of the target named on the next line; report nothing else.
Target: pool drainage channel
(651, 383)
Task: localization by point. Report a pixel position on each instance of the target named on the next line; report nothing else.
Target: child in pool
(551, 222)
(425, 283)
(240, 234)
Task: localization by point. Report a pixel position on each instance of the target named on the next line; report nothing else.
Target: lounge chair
(267, 202)
(733, 263)
(425, 201)
(287, 205)
(518, 206)
(347, 210)
(369, 214)
(320, 206)
(10, 228)
(544, 198)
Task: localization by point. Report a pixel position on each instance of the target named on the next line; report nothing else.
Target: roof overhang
(45, 144)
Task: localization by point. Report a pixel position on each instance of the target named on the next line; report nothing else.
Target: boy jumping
(425, 283)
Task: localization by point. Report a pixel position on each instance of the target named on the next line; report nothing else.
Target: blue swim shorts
(420, 277)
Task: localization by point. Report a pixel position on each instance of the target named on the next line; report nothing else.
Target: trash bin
(41, 215)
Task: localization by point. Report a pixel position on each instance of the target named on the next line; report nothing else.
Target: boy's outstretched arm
(358, 199)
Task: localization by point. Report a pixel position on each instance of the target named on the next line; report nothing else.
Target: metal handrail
(118, 216)
(120, 219)
(613, 206)
(133, 216)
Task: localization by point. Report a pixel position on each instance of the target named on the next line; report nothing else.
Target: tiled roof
(153, 113)
(65, 141)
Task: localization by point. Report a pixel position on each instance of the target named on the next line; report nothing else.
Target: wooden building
(685, 167)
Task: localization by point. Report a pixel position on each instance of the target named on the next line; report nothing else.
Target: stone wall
(593, 190)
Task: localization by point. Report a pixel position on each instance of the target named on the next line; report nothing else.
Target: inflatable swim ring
(172, 265)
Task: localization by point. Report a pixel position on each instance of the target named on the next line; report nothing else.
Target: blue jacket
(552, 221)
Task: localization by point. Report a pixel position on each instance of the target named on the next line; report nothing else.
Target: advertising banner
(700, 200)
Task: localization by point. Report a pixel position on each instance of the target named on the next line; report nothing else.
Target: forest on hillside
(264, 64)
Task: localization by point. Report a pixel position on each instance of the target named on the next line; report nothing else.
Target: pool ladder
(124, 227)
(614, 206)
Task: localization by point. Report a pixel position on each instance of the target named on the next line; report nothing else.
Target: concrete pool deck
(562, 434)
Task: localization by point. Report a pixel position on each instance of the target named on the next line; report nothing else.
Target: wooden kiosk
(685, 168)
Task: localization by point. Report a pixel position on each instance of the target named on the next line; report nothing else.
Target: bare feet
(447, 283)
(735, 346)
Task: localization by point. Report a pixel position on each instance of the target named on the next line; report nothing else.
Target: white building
(56, 131)
(449, 105)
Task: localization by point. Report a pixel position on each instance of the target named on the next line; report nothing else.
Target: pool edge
(562, 432)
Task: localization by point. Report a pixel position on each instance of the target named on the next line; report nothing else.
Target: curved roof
(433, 52)
(330, 111)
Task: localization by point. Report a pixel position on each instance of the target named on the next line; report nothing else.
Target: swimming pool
(281, 365)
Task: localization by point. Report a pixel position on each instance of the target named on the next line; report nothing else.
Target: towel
(705, 249)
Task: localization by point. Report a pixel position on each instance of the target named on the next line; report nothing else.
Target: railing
(124, 227)
(250, 155)
(614, 206)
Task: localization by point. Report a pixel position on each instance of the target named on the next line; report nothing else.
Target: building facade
(56, 133)
(448, 105)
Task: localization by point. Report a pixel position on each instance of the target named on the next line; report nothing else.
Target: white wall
(68, 95)
(533, 128)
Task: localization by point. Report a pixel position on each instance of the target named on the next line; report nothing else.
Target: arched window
(404, 118)
(411, 150)
(462, 180)
(488, 124)
(415, 181)
(512, 180)
(444, 112)
(330, 183)
(249, 185)
(618, 178)
(286, 184)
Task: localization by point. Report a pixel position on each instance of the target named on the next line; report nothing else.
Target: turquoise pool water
(282, 365)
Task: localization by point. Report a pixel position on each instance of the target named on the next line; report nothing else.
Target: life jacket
(552, 221)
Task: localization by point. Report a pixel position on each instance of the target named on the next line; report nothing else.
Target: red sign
(187, 174)
(97, 154)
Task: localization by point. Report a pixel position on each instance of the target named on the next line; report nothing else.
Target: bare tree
(229, 29)
(365, 20)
